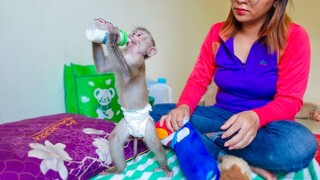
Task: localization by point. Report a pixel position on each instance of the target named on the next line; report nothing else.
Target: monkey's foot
(166, 169)
(104, 173)
(112, 170)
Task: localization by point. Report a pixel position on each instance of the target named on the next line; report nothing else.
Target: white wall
(307, 14)
(37, 37)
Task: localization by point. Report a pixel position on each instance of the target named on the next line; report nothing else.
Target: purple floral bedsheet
(62, 146)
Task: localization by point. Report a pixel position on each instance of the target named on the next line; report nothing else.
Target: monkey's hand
(110, 28)
(113, 34)
(101, 24)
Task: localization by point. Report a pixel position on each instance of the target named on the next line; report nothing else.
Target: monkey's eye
(139, 34)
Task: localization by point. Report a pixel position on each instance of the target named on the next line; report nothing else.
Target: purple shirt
(245, 86)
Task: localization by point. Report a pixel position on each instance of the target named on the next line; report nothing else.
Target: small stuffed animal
(309, 111)
(235, 168)
(195, 161)
(316, 115)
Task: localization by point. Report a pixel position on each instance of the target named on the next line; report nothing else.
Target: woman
(260, 62)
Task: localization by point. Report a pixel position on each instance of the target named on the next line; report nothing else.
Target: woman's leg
(280, 147)
(209, 119)
(159, 110)
(205, 119)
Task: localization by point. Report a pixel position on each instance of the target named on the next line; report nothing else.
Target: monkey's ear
(152, 51)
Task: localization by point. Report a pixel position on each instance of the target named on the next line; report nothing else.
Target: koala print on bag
(104, 97)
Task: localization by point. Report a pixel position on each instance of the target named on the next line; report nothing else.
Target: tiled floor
(313, 125)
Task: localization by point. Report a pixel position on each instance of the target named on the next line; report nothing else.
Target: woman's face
(251, 11)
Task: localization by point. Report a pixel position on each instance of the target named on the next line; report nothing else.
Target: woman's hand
(246, 125)
(174, 119)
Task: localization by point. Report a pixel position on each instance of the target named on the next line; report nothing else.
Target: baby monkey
(128, 65)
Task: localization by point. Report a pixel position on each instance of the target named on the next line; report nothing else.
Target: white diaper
(137, 120)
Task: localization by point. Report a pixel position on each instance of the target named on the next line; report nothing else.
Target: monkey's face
(139, 42)
(136, 38)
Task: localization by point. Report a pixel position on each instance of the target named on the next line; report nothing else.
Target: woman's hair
(275, 26)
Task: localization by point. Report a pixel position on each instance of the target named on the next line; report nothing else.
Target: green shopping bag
(90, 93)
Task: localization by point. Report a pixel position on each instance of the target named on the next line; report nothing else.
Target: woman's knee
(294, 147)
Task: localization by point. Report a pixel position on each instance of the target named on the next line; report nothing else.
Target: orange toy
(164, 134)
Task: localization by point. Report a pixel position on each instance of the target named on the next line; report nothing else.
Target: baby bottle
(97, 35)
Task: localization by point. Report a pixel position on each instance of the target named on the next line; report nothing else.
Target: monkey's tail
(135, 148)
